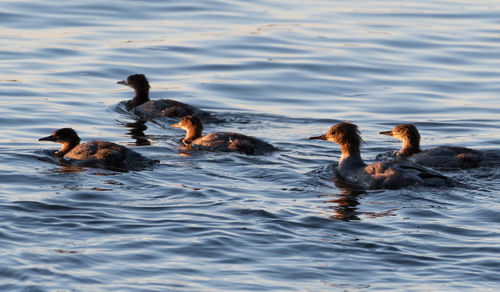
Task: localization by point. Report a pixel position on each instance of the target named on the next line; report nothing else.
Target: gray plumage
(440, 156)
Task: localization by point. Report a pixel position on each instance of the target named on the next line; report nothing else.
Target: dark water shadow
(136, 132)
(344, 205)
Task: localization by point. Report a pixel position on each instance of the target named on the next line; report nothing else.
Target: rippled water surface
(278, 70)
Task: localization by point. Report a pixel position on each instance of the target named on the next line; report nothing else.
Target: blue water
(278, 70)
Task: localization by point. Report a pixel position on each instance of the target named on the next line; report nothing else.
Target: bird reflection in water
(136, 131)
(344, 204)
(68, 168)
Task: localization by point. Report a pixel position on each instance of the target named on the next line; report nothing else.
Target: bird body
(219, 141)
(380, 175)
(95, 153)
(440, 156)
(150, 109)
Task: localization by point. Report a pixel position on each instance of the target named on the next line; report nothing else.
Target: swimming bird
(95, 153)
(438, 157)
(386, 175)
(219, 141)
(143, 106)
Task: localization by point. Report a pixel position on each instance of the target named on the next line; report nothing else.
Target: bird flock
(410, 166)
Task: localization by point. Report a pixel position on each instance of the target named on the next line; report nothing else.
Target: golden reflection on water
(344, 205)
(70, 169)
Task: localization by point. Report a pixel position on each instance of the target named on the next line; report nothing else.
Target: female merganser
(95, 153)
(439, 157)
(143, 106)
(219, 141)
(388, 175)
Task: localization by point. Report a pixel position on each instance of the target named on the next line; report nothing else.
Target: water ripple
(278, 70)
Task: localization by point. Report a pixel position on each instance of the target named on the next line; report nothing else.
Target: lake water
(278, 70)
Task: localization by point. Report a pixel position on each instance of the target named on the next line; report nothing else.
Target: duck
(219, 141)
(150, 109)
(379, 175)
(448, 157)
(95, 153)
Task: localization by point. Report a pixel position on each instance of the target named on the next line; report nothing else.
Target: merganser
(150, 109)
(385, 175)
(95, 153)
(438, 157)
(219, 141)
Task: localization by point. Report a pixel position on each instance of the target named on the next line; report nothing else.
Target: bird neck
(66, 147)
(409, 148)
(191, 135)
(351, 157)
(141, 96)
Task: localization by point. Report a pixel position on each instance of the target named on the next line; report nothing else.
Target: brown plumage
(143, 106)
(438, 157)
(410, 136)
(219, 141)
(95, 153)
(389, 175)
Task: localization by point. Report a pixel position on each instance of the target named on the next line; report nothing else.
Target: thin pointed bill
(322, 137)
(48, 138)
(123, 82)
(388, 133)
(175, 126)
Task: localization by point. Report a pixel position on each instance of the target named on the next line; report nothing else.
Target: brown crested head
(63, 136)
(404, 132)
(189, 123)
(136, 81)
(343, 133)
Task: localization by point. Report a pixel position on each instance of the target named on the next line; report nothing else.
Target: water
(278, 70)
